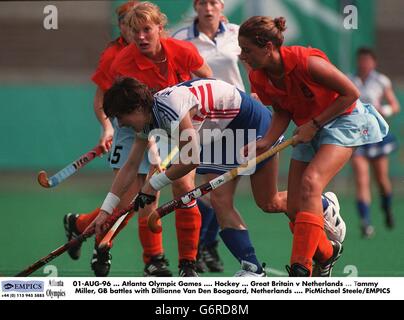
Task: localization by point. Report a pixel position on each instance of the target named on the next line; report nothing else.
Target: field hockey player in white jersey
(376, 89)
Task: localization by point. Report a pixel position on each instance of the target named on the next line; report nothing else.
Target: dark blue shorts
(221, 157)
(375, 150)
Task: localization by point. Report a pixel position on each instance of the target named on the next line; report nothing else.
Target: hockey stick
(74, 242)
(55, 253)
(114, 219)
(67, 171)
(154, 217)
(108, 237)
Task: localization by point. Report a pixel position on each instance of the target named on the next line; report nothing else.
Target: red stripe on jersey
(193, 90)
(197, 118)
(211, 104)
(202, 92)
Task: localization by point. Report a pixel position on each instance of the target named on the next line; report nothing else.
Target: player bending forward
(193, 107)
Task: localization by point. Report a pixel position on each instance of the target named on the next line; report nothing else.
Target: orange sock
(307, 233)
(324, 249)
(188, 224)
(84, 220)
(152, 243)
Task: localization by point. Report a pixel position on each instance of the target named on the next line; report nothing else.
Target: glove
(142, 199)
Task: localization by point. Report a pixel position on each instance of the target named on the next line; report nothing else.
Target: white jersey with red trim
(217, 103)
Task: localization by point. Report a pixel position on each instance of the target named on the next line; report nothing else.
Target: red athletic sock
(324, 249)
(152, 243)
(188, 224)
(84, 220)
(307, 233)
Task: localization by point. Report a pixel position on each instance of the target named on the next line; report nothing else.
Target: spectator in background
(376, 89)
(216, 40)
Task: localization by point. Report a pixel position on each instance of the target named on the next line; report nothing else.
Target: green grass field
(31, 227)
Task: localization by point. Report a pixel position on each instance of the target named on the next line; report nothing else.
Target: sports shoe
(249, 269)
(210, 256)
(325, 269)
(389, 220)
(187, 269)
(157, 267)
(368, 231)
(334, 225)
(101, 262)
(200, 265)
(69, 222)
(297, 270)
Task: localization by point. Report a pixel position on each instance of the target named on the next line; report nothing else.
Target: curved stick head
(154, 222)
(43, 179)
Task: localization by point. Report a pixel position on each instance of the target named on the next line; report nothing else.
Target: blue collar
(156, 117)
(221, 29)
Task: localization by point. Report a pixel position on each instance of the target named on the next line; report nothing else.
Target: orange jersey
(182, 59)
(101, 76)
(303, 98)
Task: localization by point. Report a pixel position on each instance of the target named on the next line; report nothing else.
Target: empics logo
(22, 286)
(8, 286)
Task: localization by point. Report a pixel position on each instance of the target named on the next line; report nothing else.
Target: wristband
(386, 110)
(110, 203)
(159, 181)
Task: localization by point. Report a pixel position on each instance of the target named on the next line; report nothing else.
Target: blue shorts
(124, 137)
(363, 126)
(388, 145)
(252, 115)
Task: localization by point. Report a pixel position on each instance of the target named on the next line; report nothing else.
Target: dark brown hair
(366, 51)
(125, 96)
(260, 30)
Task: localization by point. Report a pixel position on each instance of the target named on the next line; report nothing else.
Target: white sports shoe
(334, 225)
(249, 269)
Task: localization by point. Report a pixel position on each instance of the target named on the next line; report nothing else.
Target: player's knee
(310, 186)
(362, 180)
